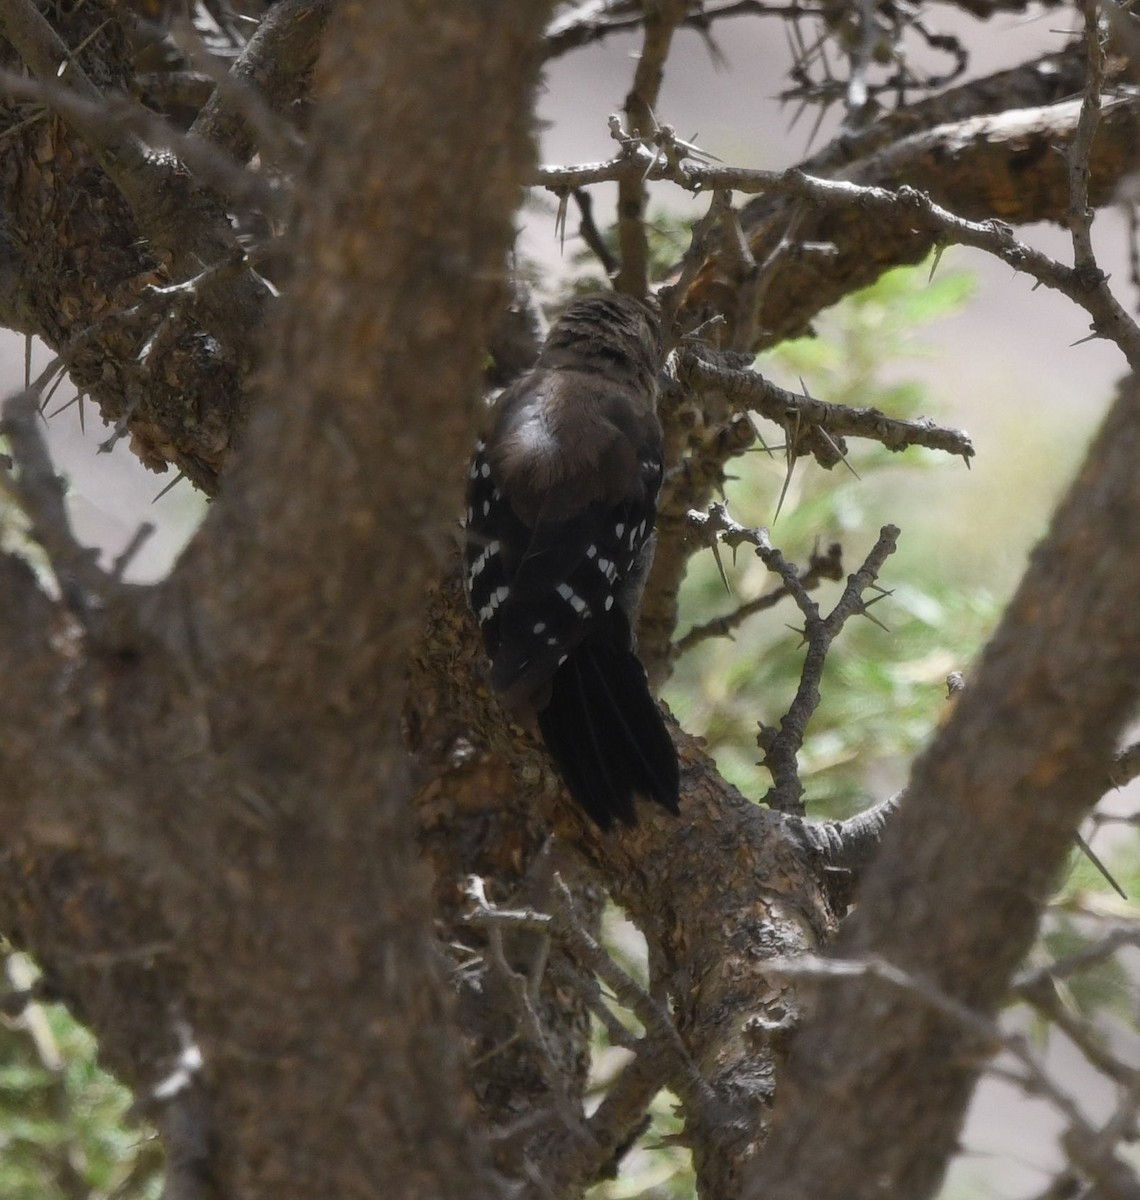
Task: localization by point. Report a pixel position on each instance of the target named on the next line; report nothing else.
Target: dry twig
(661, 18)
(903, 204)
(819, 568)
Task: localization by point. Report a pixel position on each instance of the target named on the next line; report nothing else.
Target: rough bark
(94, 224)
(1009, 165)
(212, 769)
(233, 748)
(707, 890)
(966, 867)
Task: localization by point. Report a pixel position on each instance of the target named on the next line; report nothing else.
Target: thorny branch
(661, 18)
(756, 277)
(587, 1149)
(901, 205)
(800, 416)
(1091, 1149)
(1080, 214)
(520, 990)
(780, 747)
(265, 81)
(591, 234)
(591, 22)
(143, 181)
(699, 248)
(819, 568)
(661, 1040)
(107, 121)
(701, 438)
(717, 526)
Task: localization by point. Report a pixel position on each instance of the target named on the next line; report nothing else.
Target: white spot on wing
(489, 552)
(573, 599)
(491, 607)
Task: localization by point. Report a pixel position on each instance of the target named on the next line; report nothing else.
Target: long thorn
(1087, 850)
(173, 484)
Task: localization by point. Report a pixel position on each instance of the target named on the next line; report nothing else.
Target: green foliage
(1101, 987)
(14, 535)
(1083, 910)
(883, 690)
(64, 1131)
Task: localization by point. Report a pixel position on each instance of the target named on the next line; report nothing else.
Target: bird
(559, 539)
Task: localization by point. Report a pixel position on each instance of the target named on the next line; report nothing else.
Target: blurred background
(975, 347)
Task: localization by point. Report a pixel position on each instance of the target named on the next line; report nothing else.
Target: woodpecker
(562, 499)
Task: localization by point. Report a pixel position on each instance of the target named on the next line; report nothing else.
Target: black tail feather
(605, 734)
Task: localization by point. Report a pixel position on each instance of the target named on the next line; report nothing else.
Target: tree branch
(117, 120)
(39, 491)
(802, 416)
(592, 22)
(491, 783)
(1090, 1148)
(241, 762)
(177, 386)
(661, 18)
(877, 221)
(160, 203)
(781, 747)
(969, 861)
(820, 567)
(271, 71)
(851, 845)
